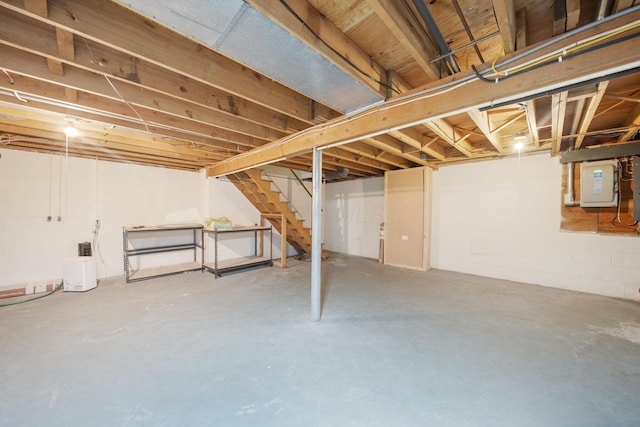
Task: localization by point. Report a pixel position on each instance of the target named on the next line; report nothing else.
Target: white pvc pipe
(316, 238)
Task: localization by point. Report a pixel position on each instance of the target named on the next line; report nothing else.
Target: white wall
(32, 250)
(291, 189)
(353, 211)
(501, 219)
(117, 194)
(226, 200)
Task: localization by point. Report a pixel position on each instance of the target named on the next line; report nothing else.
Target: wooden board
(407, 218)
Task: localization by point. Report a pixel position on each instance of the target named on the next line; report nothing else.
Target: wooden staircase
(269, 203)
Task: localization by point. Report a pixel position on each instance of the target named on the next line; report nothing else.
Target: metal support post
(316, 237)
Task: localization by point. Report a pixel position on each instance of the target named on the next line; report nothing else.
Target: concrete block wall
(353, 211)
(226, 200)
(501, 219)
(32, 250)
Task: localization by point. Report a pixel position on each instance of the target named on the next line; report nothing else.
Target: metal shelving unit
(258, 258)
(130, 234)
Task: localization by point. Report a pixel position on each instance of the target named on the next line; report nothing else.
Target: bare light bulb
(519, 146)
(70, 131)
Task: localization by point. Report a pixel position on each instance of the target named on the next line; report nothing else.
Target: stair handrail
(286, 199)
(301, 183)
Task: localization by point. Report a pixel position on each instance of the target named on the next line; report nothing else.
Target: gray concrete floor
(394, 348)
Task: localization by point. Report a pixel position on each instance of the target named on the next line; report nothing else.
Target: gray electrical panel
(598, 184)
(636, 189)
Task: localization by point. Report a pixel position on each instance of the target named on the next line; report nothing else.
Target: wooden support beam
(390, 13)
(415, 139)
(585, 123)
(532, 122)
(395, 147)
(172, 115)
(521, 28)
(558, 112)
(429, 104)
(451, 136)
(559, 17)
(481, 119)
(47, 126)
(119, 67)
(55, 67)
(111, 24)
(619, 5)
(283, 235)
(622, 98)
(71, 94)
(506, 19)
(38, 7)
(219, 141)
(66, 49)
(577, 116)
(633, 122)
(365, 150)
(573, 14)
(302, 20)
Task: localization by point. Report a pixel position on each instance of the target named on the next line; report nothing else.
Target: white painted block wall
(353, 211)
(117, 194)
(501, 219)
(226, 200)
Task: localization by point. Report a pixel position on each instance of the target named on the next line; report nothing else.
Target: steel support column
(316, 238)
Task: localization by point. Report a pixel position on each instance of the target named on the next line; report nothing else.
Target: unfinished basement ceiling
(238, 31)
(219, 84)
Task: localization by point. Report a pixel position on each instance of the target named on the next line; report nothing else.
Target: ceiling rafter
(110, 24)
(633, 122)
(394, 19)
(590, 113)
(506, 18)
(418, 108)
(451, 136)
(113, 66)
(558, 112)
(333, 45)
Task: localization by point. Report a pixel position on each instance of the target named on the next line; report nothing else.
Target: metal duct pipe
(427, 18)
(569, 197)
(341, 173)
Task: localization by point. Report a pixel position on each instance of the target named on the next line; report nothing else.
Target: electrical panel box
(598, 186)
(636, 189)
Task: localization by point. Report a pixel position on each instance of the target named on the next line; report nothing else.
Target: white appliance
(79, 274)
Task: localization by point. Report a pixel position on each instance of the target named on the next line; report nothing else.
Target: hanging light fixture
(70, 131)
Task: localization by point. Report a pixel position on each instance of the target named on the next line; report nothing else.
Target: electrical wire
(11, 81)
(122, 98)
(616, 220)
(34, 298)
(436, 90)
(96, 230)
(334, 50)
(559, 54)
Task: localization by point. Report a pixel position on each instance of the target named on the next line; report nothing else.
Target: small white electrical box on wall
(598, 184)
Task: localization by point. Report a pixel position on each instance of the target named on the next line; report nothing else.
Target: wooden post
(283, 235)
